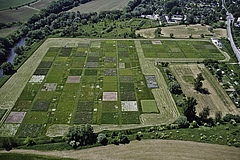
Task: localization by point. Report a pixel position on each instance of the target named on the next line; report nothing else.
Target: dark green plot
(126, 87)
(65, 52)
(110, 118)
(83, 118)
(130, 117)
(29, 130)
(75, 72)
(127, 96)
(21, 105)
(85, 106)
(41, 105)
(91, 72)
(45, 64)
(93, 59)
(108, 106)
(41, 71)
(30, 91)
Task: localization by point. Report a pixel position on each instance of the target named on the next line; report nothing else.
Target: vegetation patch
(149, 106)
(9, 130)
(41, 105)
(130, 117)
(15, 117)
(91, 65)
(29, 130)
(21, 105)
(75, 72)
(108, 106)
(127, 96)
(110, 118)
(41, 71)
(110, 72)
(45, 64)
(65, 52)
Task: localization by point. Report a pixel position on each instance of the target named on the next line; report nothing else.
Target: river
(13, 54)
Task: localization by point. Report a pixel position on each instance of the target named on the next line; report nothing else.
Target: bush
(182, 122)
(102, 139)
(194, 124)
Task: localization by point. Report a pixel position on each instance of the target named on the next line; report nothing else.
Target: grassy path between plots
(165, 103)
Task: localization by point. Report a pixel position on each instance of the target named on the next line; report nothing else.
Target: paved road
(230, 19)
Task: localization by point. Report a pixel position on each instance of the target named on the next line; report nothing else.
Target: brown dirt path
(148, 149)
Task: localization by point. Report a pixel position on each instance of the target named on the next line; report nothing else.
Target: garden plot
(110, 59)
(15, 117)
(121, 65)
(29, 130)
(129, 106)
(91, 65)
(151, 82)
(8, 130)
(41, 105)
(49, 87)
(110, 96)
(149, 106)
(73, 79)
(110, 72)
(96, 44)
(37, 79)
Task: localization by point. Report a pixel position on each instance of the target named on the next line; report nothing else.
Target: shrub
(194, 124)
(102, 139)
(182, 122)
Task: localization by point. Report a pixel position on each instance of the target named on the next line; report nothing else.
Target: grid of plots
(99, 82)
(180, 49)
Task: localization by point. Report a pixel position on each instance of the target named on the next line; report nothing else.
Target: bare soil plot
(101, 5)
(36, 79)
(129, 106)
(73, 79)
(15, 117)
(49, 87)
(148, 149)
(212, 100)
(110, 96)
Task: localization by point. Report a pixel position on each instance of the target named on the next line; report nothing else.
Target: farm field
(101, 5)
(23, 13)
(13, 3)
(89, 81)
(216, 100)
(150, 149)
(180, 49)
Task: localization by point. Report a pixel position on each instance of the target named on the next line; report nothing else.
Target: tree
(189, 108)
(18, 50)
(29, 141)
(158, 32)
(182, 122)
(171, 35)
(102, 139)
(174, 87)
(218, 116)
(204, 114)
(198, 82)
(7, 68)
(80, 136)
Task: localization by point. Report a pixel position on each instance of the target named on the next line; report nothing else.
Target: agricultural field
(101, 5)
(22, 14)
(216, 99)
(180, 49)
(13, 3)
(96, 82)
